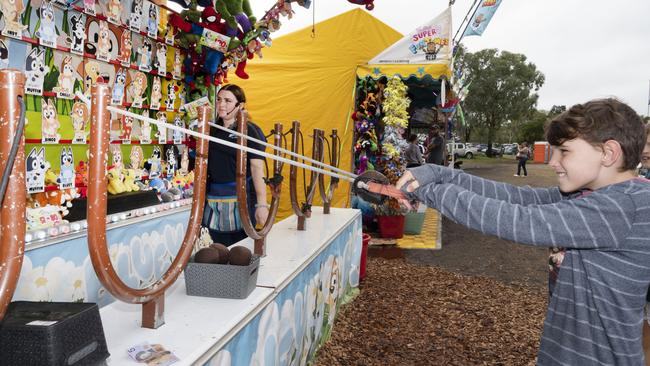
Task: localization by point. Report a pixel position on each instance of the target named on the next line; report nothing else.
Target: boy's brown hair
(598, 121)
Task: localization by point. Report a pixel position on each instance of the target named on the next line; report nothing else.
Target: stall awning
(427, 50)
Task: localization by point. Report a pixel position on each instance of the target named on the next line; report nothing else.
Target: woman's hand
(261, 213)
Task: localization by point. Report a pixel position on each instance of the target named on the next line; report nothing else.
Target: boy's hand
(407, 181)
(409, 184)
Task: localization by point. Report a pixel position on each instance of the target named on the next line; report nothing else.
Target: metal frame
(259, 237)
(327, 194)
(12, 216)
(151, 297)
(303, 212)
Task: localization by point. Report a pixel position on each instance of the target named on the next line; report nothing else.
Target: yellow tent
(312, 80)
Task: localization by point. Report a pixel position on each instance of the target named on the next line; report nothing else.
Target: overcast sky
(585, 48)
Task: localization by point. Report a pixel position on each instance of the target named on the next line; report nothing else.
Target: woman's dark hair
(413, 138)
(597, 122)
(236, 90)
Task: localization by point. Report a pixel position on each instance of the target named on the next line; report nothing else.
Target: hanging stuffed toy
(210, 58)
(368, 3)
(236, 12)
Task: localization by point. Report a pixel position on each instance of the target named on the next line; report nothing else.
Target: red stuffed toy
(210, 59)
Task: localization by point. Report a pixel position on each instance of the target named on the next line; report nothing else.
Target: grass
(484, 159)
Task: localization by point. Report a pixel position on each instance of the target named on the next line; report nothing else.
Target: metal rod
(151, 297)
(453, 40)
(229, 144)
(12, 212)
(288, 152)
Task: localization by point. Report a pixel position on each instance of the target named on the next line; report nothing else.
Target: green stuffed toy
(236, 12)
(187, 39)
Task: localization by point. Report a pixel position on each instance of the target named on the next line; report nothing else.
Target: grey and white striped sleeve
(599, 220)
(437, 174)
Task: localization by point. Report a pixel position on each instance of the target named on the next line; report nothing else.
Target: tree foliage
(533, 129)
(555, 110)
(503, 87)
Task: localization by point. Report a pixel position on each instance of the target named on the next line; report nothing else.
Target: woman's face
(227, 105)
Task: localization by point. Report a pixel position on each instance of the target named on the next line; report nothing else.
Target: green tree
(503, 87)
(556, 109)
(533, 129)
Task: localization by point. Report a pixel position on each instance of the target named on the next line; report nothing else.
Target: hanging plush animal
(236, 12)
(211, 20)
(368, 3)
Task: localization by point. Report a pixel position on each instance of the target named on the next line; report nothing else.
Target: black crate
(52, 333)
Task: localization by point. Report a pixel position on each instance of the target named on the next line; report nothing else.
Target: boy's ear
(612, 153)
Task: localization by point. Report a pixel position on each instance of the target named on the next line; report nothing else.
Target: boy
(645, 161)
(595, 314)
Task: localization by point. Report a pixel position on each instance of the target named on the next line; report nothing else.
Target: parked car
(496, 150)
(481, 147)
(462, 150)
(510, 149)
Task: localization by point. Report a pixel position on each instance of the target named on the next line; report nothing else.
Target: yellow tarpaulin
(312, 80)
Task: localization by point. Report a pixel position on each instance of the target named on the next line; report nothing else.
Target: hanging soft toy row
(224, 36)
(366, 119)
(221, 29)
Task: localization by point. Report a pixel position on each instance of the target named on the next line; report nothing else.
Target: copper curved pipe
(259, 237)
(151, 297)
(303, 212)
(12, 217)
(327, 194)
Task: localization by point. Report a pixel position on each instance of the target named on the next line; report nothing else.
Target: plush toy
(62, 199)
(37, 200)
(236, 12)
(189, 16)
(81, 178)
(115, 181)
(253, 47)
(129, 180)
(210, 20)
(51, 177)
(158, 185)
(368, 3)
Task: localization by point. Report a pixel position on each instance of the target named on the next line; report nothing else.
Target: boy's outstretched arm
(600, 220)
(431, 173)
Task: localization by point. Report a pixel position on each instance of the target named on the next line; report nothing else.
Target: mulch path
(479, 300)
(410, 314)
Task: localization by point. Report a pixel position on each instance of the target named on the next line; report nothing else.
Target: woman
(221, 214)
(522, 157)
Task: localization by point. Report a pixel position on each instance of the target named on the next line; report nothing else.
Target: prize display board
(64, 48)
